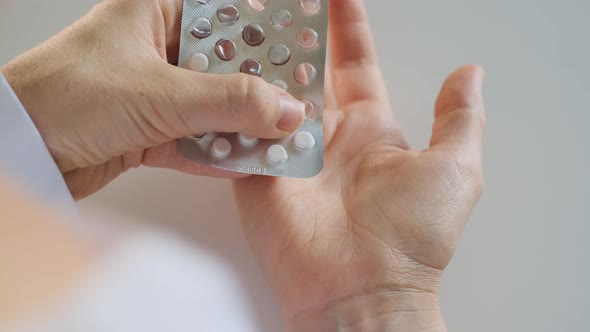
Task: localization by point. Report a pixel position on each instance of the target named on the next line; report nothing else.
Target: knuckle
(483, 118)
(473, 114)
(250, 98)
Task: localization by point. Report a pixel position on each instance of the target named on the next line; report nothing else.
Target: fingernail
(292, 114)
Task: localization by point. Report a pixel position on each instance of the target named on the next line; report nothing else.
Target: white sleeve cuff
(24, 156)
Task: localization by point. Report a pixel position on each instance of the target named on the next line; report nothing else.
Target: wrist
(42, 88)
(385, 310)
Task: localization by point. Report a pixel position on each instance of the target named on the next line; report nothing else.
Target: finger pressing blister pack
(284, 43)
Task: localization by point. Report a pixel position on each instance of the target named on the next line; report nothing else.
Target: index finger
(356, 72)
(172, 16)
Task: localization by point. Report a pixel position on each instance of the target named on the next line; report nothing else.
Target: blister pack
(284, 43)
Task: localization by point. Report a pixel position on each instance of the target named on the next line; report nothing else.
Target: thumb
(202, 103)
(459, 116)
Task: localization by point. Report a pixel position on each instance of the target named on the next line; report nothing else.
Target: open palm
(380, 217)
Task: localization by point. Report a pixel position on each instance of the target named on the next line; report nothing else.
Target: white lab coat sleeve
(24, 157)
(151, 282)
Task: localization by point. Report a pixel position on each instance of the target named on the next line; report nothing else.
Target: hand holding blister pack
(284, 43)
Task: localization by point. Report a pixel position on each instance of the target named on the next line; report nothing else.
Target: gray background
(522, 264)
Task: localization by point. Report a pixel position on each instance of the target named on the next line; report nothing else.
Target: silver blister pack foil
(301, 26)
